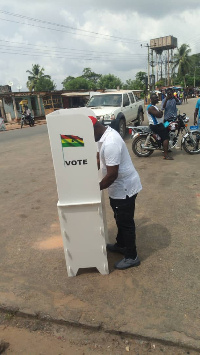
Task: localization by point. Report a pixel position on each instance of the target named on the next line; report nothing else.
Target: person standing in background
(169, 105)
(197, 113)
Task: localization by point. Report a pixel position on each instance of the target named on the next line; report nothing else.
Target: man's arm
(111, 176)
(98, 161)
(177, 100)
(157, 113)
(164, 103)
(195, 115)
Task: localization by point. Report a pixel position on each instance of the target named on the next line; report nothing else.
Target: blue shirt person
(163, 95)
(197, 113)
(169, 105)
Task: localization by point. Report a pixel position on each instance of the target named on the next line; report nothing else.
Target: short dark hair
(152, 95)
(169, 90)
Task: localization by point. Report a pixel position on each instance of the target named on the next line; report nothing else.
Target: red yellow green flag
(71, 141)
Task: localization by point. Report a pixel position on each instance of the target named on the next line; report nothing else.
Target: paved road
(21, 134)
(160, 299)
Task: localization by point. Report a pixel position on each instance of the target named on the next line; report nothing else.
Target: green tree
(160, 83)
(36, 74)
(109, 81)
(193, 78)
(92, 77)
(128, 84)
(66, 81)
(182, 61)
(45, 84)
(76, 83)
(138, 84)
(141, 76)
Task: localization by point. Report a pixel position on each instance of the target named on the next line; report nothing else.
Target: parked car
(117, 109)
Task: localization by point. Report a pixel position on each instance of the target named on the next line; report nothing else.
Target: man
(27, 113)
(197, 113)
(185, 96)
(123, 183)
(169, 105)
(155, 117)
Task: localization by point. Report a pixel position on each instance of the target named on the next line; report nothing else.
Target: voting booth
(80, 205)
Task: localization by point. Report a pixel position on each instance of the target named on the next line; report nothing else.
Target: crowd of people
(181, 95)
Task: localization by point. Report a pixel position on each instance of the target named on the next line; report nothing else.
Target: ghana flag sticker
(71, 141)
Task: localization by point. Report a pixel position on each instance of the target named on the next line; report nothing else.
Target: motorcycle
(145, 141)
(27, 120)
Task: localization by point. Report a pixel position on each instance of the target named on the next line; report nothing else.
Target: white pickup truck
(117, 109)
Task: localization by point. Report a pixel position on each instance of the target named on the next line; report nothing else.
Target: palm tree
(35, 75)
(182, 61)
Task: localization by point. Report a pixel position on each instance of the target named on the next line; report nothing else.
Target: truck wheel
(140, 119)
(122, 128)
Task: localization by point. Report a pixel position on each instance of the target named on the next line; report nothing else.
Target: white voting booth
(80, 207)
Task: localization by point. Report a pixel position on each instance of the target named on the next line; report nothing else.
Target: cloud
(103, 35)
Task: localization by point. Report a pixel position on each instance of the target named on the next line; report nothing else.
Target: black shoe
(126, 263)
(114, 248)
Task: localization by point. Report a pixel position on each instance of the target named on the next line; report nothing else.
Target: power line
(69, 55)
(64, 57)
(62, 26)
(68, 49)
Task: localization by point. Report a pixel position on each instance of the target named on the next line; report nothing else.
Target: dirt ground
(35, 337)
(160, 299)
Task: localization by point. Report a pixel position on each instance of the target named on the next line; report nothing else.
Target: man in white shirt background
(123, 183)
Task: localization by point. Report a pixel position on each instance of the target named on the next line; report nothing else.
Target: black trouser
(124, 217)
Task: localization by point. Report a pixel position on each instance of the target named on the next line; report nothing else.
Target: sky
(108, 36)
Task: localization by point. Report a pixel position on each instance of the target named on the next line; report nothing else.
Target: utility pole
(168, 67)
(194, 76)
(148, 72)
(152, 71)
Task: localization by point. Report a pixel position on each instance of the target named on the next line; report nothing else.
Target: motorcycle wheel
(22, 122)
(188, 145)
(137, 147)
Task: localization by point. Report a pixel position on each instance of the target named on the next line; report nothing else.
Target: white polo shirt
(113, 151)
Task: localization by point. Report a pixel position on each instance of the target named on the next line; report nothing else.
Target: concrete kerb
(99, 327)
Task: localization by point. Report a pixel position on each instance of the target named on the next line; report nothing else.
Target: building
(40, 103)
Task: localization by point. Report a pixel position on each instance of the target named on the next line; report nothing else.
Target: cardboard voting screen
(80, 210)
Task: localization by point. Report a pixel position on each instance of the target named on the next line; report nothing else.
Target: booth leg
(103, 269)
(72, 272)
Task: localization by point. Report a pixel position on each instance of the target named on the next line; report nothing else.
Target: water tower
(164, 49)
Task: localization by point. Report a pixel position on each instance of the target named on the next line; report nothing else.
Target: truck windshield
(105, 100)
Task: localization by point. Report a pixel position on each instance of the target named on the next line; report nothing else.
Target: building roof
(75, 94)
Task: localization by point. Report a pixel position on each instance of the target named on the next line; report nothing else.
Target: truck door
(134, 106)
(127, 109)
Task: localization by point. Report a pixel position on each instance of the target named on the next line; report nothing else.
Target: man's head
(170, 93)
(154, 99)
(99, 129)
